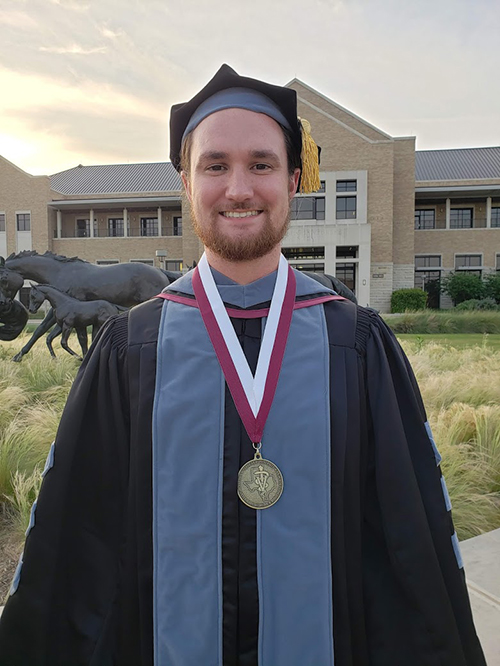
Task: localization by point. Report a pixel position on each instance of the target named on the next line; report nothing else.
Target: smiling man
(237, 178)
(243, 474)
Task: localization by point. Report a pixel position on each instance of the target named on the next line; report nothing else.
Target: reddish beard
(246, 248)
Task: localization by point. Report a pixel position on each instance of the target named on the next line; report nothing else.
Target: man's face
(238, 184)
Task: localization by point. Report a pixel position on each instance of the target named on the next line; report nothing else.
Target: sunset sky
(92, 81)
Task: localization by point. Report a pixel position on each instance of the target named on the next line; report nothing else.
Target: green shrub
(492, 286)
(446, 321)
(478, 304)
(403, 300)
(463, 286)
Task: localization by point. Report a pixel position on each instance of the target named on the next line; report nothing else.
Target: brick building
(386, 217)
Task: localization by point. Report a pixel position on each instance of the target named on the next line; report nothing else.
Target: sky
(92, 81)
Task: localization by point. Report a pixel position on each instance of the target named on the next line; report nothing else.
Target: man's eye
(261, 167)
(215, 167)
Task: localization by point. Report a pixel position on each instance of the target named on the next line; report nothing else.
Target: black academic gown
(85, 593)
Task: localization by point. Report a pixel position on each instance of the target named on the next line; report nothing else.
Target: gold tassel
(309, 181)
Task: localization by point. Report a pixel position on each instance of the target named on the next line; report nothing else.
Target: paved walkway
(482, 565)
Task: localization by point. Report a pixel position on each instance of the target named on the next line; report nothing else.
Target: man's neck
(244, 272)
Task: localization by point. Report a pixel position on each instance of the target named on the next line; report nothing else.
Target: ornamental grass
(460, 387)
(461, 391)
(445, 321)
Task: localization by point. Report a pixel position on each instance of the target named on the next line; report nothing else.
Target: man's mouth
(246, 213)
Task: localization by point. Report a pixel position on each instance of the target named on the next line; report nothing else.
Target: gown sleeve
(408, 512)
(59, 612)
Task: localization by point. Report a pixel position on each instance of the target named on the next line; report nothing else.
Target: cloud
(17, 19)
(72, 5)
(74, 49)
(105, 100)
(94, 138)
(110, 34)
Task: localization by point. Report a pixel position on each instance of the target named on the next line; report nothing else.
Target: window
(173, 265)
(468, 260)
(149, 226)
(429, 281)
(498, 262)
(472, 263)
(2, 221)
(308, 208)
(347, 274)
(495, 217)
(177, 224)
(461, 218)
(107, 262)
(312, 268)
(347, 251)
(149, 262)
(115, 226)
(23, 221)
(425, 219)
(422, 278)
(82, 228)
(322, 186)
(346, 208)
(429, 261)
(347, 185)
(304, 252)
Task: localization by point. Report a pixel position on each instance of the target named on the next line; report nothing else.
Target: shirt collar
(249, 295)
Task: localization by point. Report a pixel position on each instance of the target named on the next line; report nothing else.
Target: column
(91, 223)
(59, 224)
(159, 222)
(488, 212)
(125, 222)
(448, 213)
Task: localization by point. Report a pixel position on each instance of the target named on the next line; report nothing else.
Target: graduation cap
(226, 90)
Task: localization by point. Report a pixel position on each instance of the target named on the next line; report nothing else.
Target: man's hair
(293, 159)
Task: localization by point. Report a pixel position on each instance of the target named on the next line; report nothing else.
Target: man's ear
(294, 182)
(187, 185)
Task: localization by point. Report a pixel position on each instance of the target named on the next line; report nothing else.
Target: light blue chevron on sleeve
(17, 576)
(437, 455)
(49, 463)
(456, 548)
(446, 494)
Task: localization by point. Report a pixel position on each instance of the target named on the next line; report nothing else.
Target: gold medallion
(260, 483)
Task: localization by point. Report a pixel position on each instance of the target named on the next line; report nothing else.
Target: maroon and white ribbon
(253, 396)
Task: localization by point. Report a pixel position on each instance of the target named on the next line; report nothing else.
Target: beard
(246, 248)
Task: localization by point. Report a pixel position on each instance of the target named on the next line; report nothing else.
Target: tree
(463, 286)
(492, 286)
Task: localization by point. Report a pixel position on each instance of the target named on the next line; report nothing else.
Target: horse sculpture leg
(66, 330)
(46, 325)
(51, 337)
(83, 340)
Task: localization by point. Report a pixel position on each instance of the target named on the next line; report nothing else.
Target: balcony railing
(134, 232)
(477, 223)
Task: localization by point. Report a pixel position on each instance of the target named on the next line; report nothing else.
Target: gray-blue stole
(293, 536)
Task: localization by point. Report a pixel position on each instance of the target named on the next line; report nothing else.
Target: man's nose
(239, 185)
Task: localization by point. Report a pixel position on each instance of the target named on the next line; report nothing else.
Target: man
(243, 475)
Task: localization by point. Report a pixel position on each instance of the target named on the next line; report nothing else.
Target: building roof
(117, 178)
(457, 164)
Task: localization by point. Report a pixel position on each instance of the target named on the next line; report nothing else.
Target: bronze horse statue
(125, 284)
(70, 313)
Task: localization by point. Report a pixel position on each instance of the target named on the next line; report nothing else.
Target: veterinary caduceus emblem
(260, 483)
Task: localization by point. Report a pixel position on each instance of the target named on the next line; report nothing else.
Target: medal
(260, 482)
